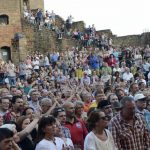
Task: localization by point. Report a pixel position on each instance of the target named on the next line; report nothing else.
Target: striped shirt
(127, 137)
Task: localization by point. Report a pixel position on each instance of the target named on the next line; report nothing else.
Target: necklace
(52, 140)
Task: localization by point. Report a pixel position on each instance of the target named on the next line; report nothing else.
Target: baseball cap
(103, 104)
(139, 97)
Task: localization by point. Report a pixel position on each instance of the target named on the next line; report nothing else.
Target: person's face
(58, 131)
(113, 99)
(45, 107)
(141, 104)
(49, 130)
(129, 109)
(13, 91)
(108, 110)
(29, 113)
(62, 117)
(103, 122)
(5, 104)
(79, 109)
(6, 144)
(70, 111)
(19, 103)
(34, 96)
(4, 93)
(135, 88)
(100, 97)
(142, 86)
(25, 123)
(121, 94)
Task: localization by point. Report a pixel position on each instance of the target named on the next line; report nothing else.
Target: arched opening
(25, 5)
(4, 20)
(5, 53)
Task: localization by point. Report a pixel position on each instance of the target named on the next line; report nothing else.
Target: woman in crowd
(27, 142)
(59, 133)
(46, 131)
(99, 138)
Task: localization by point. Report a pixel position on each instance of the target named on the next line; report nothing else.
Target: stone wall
(35, 4)
(132, 40)
(12, 9)
(44, 40)
(107, 32)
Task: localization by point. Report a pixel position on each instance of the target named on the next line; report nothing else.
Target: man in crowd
(140, 101)
(60, 114)
(128, 128)
(77, 128)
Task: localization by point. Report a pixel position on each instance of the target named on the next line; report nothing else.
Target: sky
(123, 17)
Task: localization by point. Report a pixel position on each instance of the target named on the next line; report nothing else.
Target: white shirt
(35, 64)
(46, 61)
(49, 145)
(92, 142)
(127, 76)
(148, 75)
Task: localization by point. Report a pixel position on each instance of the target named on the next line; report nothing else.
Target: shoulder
(90, 136)
(59, 140)
(43, 144)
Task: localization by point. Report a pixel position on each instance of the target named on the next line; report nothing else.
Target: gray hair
(78, 103)
(126, 99)
(46, 101)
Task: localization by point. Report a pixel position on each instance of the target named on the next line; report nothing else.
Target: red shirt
(112, 62)
(78, 132)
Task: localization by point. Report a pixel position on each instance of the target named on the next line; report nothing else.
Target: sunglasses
(105, 118)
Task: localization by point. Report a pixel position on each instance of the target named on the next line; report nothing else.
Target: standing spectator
(36, 64)
(147, 52)
(11, 71)
(140, 101)
(60, 114)
(22, 70)
(128, 129)
(99, 138)
(52, 17)
(34, 102)
(77, 128)
(46, 131)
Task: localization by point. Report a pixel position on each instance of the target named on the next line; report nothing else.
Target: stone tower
(11, 12)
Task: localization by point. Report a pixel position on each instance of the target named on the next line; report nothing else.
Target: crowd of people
(85, 38)
(87, 99)
(93, 98)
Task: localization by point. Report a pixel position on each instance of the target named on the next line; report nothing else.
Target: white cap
(138, 97)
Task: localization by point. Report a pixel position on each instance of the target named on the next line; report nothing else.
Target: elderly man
(45, 104)
(140, 101)
(129, 129)
(34, 100)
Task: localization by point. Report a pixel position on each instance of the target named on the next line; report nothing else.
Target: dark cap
(102, 104)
